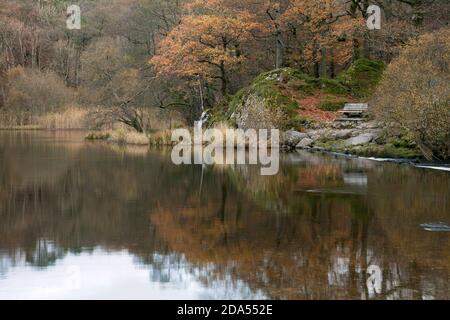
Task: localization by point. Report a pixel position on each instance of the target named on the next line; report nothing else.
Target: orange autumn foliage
(206, 45)
(218, 37)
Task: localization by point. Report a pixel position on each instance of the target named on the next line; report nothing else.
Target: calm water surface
(89, 220)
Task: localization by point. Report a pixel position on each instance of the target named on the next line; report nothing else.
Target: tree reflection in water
(310, 232)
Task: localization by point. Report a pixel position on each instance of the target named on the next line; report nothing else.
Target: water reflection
(115, 275)
(137, 226)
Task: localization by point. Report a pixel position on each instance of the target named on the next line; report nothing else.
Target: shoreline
(366, 138)
(441, 166)
(285, 147)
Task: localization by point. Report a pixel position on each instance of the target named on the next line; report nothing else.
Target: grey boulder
(342, 134)
(305, 143)
(292, 138)
(364, 138)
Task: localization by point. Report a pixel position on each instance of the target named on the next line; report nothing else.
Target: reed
(72, 118)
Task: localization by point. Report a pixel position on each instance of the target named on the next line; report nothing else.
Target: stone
(255, 114)
(342, 134)
(305, 143)
(318, 134)
(292, 138)
(368, 125)
(364, 138)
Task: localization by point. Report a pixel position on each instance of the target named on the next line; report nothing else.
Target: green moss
(362, 77)
(385, 151)
(327, 85)
(278, 87)
(404, 142)
(268, 86)
(332, 103)
(219, 114)
(330, 145)
(300, 85)
(299, 123)
(388, 150)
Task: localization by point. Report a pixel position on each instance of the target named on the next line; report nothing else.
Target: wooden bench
(355, 109)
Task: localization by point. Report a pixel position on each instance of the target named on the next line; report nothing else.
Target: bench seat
(355, 109)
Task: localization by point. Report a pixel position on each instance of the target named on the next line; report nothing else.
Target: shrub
(362, 77)
(32, 93)
(414, 94)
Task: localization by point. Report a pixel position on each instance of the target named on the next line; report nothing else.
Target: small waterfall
(200, 123)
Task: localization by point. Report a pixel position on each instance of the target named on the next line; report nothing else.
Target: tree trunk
(418, 14)
(2, 96)
(223, 79)
(332, 64)
(323, 63)
(316, 63)
(356, 50)
(279, 63)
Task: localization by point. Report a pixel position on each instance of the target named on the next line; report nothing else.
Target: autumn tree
(414, 93)
(329, 34)
(273, 12)
(206, 45)
(401, 21)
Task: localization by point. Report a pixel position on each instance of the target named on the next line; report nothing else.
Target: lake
(82, 220)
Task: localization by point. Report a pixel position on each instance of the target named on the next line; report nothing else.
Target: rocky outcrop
(350, 134)
(285, 99)
(292, 138)
(363, 138)
(342, 134)
(305, 143)
(360, 138)
(255, 114)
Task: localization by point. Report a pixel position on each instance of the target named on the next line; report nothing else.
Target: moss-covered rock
(268, 86)
(383, 145)
(330, 145)
(385, 151)
(388, 150)
(362, 77)
(330, 86)
(271, 100)
(275, 99)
